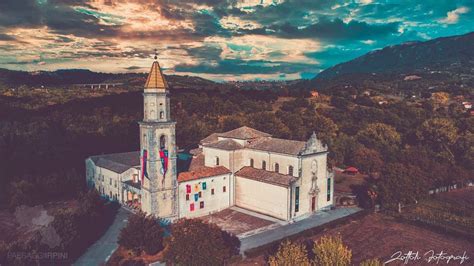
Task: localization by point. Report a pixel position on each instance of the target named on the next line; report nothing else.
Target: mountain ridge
(451, 53)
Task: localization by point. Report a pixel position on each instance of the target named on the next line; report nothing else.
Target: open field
(450, 211)
(378, 236)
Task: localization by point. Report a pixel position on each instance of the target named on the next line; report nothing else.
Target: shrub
(194, 242)
(371, 262)
(142, 233)
(290, 253)
(330, 251)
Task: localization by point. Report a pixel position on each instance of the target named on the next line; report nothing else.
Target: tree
(325, 128)
(142, 233)
(371, 262)
(401, 184)
(367, 160)
(3, 252)
(439, 133)
(289, 254)
(440, 98)
(194, 242)
(330, 251)
(230, 123)
(22, 193)
(379, 136)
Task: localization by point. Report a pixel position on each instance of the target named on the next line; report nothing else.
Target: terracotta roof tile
(285, 146)
(117, 162)
(244, 133)
(196, 162)
(227, 144)
(202, 172)
(209, 139)
(265, 176)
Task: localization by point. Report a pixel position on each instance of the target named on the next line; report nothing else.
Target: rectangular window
(212, 191)
(200, 194)
(191, 207)
(110, 183)
(223, 189)
(297, 199)
(201, 205)
(187, 197)
(329, 190)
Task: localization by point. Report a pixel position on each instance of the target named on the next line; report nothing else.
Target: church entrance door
(313, 203)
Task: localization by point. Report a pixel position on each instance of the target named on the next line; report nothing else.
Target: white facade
(206, 195)
(261, 197)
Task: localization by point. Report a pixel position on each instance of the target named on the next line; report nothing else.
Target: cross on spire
(156, 54)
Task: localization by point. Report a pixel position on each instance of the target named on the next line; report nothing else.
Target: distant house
(467, 105)
(351, 170)
(411, 77)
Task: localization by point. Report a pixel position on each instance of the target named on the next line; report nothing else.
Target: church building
(243, 167)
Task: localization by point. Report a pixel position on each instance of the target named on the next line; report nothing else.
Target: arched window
(217, 160)
(277, 167)
(290, 170)
(162, 142)
(264, 165)
(251, 162)
(162, 115)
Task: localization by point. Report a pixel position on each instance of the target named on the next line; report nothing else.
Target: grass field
(452, 211)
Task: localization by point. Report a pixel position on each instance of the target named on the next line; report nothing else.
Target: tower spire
(156, 79)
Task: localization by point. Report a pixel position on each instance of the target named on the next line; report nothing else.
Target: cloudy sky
(216, 39)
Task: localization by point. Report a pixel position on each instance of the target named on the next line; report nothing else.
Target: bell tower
(158, 148)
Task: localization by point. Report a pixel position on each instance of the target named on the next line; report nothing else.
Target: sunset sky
(219, 40)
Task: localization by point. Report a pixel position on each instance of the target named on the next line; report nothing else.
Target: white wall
(105, 181)
(262, 197)
(212, 203)
(210, 155)
(283, 160)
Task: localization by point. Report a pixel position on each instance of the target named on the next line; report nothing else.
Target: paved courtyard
(238, 221)
(288, 229)
(255, 229)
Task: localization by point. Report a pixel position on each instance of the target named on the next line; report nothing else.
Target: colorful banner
(144, 157)
(164, 161)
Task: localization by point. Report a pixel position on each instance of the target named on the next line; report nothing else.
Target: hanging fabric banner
(164, 161)
(188, 188)
(144, 157)
(204, 185)
(196, 197)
